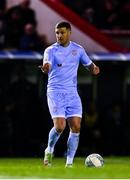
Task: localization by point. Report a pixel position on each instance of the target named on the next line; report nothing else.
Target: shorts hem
(74, 115)
(58, 116)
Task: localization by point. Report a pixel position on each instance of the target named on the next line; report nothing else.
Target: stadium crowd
(18, 24)
(18, 28)
(103, 14)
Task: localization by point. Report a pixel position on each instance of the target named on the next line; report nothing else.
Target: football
(94, 160)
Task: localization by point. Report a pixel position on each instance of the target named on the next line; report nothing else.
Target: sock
(52, 139)
(72, 145)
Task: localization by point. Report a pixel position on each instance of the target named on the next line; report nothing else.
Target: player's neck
(66, 44)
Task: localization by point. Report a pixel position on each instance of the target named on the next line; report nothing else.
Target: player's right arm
(45, 68)
(47, 61)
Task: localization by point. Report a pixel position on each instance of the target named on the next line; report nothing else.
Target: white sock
(52, 139)
(72, 145)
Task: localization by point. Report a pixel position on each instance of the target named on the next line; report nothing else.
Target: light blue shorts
(64, 104)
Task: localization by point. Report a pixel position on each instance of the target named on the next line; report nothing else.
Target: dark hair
(63, 24)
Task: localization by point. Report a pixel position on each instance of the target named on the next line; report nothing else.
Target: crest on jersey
(74, 52)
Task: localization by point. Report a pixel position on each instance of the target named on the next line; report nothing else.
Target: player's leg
(73, 139)
(56, 109)
(54, 134)
(74, 115)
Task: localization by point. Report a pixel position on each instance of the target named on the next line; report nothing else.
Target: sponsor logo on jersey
(59, 65)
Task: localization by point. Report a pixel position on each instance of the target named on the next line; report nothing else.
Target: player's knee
(60, 124)
(75, 129)
(60, 129)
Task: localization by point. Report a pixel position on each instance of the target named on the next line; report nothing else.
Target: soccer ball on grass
(94, 160)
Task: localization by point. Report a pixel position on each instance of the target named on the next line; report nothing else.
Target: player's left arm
(93, 68)
(88, 63)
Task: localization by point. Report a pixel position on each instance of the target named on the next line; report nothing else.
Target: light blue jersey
(64, 62)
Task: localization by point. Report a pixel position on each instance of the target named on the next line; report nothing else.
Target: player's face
(63, 36)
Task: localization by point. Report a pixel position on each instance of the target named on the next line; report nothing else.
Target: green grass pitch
(32, 168)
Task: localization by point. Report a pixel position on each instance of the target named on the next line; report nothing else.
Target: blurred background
(102, 27)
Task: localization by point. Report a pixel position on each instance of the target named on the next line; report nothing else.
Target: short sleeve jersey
(64, 66)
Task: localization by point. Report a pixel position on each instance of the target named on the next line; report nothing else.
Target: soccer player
(61, 61)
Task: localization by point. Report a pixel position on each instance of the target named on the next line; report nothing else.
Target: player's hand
(96, 70)
(45, 68)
